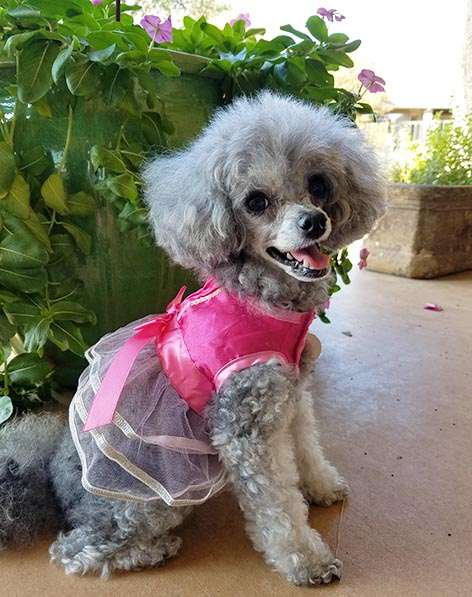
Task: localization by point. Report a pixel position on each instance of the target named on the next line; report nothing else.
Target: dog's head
(271, 180)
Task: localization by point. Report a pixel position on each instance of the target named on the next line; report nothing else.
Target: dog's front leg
(320, 481)
(251, 427)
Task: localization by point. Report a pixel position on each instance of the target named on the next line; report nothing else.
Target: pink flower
(242, 17)
(363, 254)
(330, 14)
(159, 31)
(96, 2)
(433, 307)
(371, 81)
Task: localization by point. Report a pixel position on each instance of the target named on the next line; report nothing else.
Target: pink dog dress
(137, 416)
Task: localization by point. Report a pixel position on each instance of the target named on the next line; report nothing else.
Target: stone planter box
(426, 232)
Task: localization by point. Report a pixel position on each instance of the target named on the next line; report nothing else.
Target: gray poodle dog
(269, 176)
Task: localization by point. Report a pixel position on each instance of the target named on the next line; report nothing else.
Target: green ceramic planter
(124, 277)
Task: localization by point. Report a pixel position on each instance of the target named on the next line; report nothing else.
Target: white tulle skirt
(156, 447)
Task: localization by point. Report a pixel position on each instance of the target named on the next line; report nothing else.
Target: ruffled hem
(156, 447)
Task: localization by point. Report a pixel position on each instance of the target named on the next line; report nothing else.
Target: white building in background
(465, 106)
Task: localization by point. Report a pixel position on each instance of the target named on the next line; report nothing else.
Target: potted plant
(84, 100)
(427, 230)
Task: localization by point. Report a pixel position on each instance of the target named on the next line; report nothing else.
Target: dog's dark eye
(257, 202)
(319, 187)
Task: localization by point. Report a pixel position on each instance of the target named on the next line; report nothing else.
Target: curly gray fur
(196, 197)
(251, 420)
(261, 421)
(27, 503)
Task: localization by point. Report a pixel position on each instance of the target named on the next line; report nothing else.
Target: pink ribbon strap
(106, 400)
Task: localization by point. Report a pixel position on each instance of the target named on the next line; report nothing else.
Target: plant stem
(13, 122)
(117, 10)
(52, 222)
(5, 382)
(68, 139)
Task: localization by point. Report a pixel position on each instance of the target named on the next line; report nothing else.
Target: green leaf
(43, 108)
(317, 73)
(59, 8)
(16, 42)
(34, 70)
(17, 200)
(67, 336)
(23, 12)
(321, 94)
(28, 369)
(123, 186)
(106, 158)
(255, 31)
(102, 39)
(130, 58)
(36, 335)
(6, 408)
(102, 55)
(317, 27)
(295, 32)
(364, 108)
(337, 57)
(54, 193)
(24, 252)
(352, 46)
(167, 68)
(82, 238)
(7, 297)
(280, 73)
(296, 74)
(22, 314)
(63, 248)
(60, 62)
(38, 229)
(36, 160)
(82, 77)
(213, 32)
(81, 204)
(7, 330)
(323, 317)
(7, 168)
(279, 43)
(25, 280)
(70, 311)
(338, 38)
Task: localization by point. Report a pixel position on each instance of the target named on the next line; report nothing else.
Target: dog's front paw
(313, 571)
(327, 489)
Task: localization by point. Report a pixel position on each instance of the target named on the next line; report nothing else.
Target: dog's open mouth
(308, 263)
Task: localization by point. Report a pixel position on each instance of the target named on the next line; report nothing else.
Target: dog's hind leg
(251, 428)
(104, 534)
(320, 481)
(117, 535)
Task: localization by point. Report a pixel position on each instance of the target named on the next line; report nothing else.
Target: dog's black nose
(313, 224)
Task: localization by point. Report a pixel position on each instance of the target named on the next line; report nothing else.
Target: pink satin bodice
(200, 341)
(215, 333)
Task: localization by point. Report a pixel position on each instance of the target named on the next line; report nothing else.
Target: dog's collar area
(299, 268)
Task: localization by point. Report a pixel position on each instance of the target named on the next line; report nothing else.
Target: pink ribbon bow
(106, 400)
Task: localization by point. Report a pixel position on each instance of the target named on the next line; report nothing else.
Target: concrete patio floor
(396, 418)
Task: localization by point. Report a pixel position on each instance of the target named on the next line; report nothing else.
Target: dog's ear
(363, 188)
(190, 211)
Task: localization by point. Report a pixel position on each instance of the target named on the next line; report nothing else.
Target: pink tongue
(312, 257)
